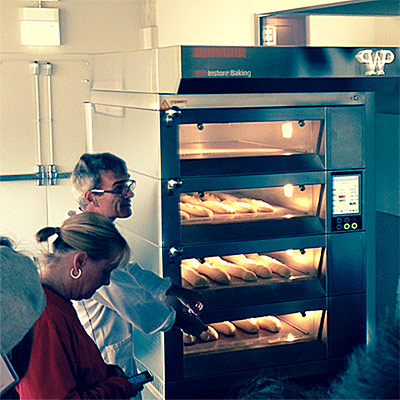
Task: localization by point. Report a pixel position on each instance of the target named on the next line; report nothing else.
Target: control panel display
(346, 194)
(346, 202)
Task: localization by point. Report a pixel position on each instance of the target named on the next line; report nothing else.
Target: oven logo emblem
(375, 60)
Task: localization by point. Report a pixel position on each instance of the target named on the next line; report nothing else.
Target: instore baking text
(239, 73)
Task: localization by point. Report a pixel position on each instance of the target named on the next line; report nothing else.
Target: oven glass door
(251, 140)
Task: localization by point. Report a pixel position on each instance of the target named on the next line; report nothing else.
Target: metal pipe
(39, 168)
(51, 167)
(49, 72)
(35, 70)
(89, 126)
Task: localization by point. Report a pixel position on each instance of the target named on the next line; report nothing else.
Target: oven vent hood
(218, 69)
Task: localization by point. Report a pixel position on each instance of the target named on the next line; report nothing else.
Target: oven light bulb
(289, 252)
(290, 337)
(288, 190)
(287, 130)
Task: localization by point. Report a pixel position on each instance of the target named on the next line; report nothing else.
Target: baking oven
(256, 200)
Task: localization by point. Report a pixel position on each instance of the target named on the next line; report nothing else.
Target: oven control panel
(346, 202)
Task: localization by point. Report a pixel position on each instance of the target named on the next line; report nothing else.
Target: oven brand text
(219, 52)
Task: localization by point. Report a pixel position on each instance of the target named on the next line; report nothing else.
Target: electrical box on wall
(40, 27)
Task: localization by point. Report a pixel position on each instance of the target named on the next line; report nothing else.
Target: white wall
(87, 26)
(347, 30)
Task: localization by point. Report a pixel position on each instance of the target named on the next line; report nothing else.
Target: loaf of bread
(210, 197)
(252, 265)
(226, 196)
(188, 339)
(198, 211)
(184, 215)
(214, 273)
(248, 325)
(259, 204)
(191, 262)
(193, 277)
(240, 207)
(209, 335)
(232, 269)
(191, 199)
(269, 323)
(225, 327)
(218, 207)
(275, 265)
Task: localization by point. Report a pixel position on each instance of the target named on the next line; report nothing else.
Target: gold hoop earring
(76, 276)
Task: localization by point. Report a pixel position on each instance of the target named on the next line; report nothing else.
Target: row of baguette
(229, 328)
(220, 269)
(192, 205)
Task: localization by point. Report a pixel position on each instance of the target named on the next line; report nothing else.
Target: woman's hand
(189, 323)
(136, 387)
(189, 298)
(115, 370)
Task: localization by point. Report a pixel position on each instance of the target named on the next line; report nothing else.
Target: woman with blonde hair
(65, 362)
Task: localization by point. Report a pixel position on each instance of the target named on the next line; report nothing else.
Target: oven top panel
(256, 69)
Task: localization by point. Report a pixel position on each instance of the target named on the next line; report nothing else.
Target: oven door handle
(174, 252)
(173, 184)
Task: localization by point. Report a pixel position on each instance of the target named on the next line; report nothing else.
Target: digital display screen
(345, 194)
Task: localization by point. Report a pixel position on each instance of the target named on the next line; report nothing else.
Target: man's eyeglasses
(121, 189)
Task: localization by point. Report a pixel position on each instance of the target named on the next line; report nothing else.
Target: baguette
(194, 278)
(198, 211)
(226, 196)
(191, 199)
(184, 215)
(225, 327)
(259, 204)
(188, 339)
(232, 269)
(260, 270)
(209, 335)
(191, 262)
(240, 207)
(276, 266)
(248, 325)
(210, 197)
(214, 273)
(269, 323)
(218, 207)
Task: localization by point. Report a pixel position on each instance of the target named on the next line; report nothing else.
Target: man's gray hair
(87, 172)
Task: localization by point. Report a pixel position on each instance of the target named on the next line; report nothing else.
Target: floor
(322, 381)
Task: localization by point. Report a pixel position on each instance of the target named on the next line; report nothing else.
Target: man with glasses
(136, 297)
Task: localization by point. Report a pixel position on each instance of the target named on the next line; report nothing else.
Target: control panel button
(354, 225)
(347, 219)
(346, 226)
(339, 227)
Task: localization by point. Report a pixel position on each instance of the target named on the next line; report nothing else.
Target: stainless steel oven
(225, 178)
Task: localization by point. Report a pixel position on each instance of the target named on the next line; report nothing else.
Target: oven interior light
(287, 130)
(289, 252)
(288, 190)
(290, 337)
